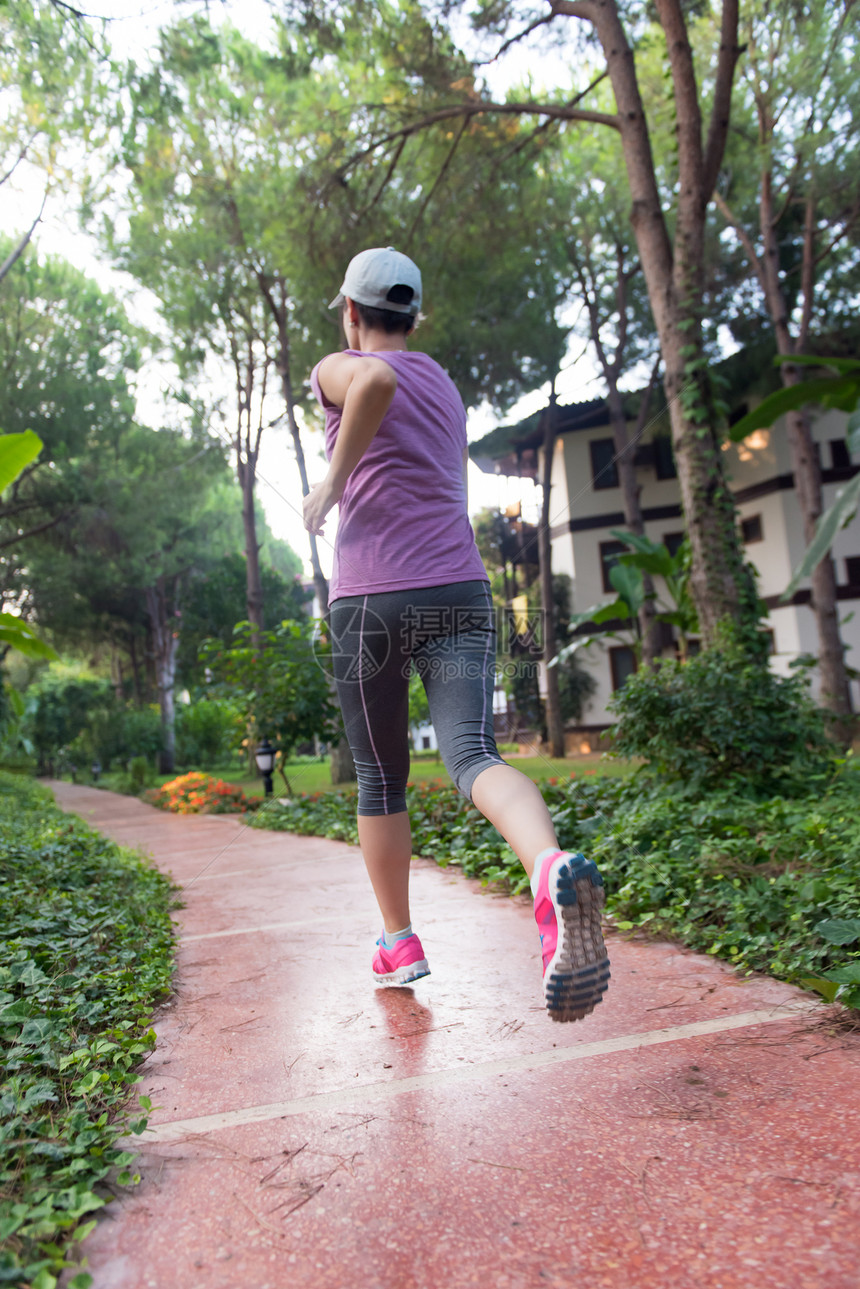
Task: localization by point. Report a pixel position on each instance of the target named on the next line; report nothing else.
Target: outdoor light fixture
(265, 758)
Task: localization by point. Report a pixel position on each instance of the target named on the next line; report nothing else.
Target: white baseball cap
(372, 276)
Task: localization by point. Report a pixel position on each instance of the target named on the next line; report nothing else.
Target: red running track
(698, 1131)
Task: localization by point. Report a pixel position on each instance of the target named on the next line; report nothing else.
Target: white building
(586, 504)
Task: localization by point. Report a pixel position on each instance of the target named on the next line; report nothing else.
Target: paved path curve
(698, 1131)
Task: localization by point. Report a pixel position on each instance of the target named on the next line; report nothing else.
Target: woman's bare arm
(363, 388)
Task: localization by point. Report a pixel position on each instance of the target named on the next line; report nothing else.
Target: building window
(664, 457)
(672, 542)
(604, 470)
(609, 552)
(840, 457)
(852, 568)
(425, 742)
(751, 529)
(622, 663)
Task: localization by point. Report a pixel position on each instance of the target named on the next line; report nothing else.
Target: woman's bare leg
(386, 844)
(513, 804)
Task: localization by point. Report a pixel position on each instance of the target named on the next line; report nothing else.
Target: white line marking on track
(307, 924)
(275, 866)
(174, 1131)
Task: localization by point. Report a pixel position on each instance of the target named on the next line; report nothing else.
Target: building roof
(512, 449)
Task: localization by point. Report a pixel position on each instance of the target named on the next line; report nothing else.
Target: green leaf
(833, 391)
(849, 975)
(852, 432)
(839, 930)
(637, 541)
(834, 518)
(16, 453)
(827, 988)
(844, 365)
(627, 581)
(20, 635)
(44, 1280)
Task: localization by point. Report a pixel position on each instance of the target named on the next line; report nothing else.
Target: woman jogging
(409, 590)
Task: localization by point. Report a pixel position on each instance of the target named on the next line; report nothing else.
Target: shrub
(723, 720)
(86, 952)
(200, 794)
(58, 708)
(117, 734)
(78, 720)
(208, 732)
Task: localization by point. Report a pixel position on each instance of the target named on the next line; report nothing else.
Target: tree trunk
(165, 637)
(649, 633)
(342, 764)
(135, 671)
(116, 673)
(247, 472)
(554, 723)
(278, 310)
(719, 582)
(835, 686)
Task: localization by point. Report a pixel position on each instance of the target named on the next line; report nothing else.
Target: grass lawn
(309, 774)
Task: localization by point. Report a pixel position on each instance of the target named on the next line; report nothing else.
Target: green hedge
(87, 949)
(769, 885)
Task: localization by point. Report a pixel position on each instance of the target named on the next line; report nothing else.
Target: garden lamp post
(265, 758)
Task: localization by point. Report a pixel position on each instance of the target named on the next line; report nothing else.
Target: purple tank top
(403, 521)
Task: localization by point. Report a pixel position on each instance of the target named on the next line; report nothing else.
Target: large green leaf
(16, 453)
(20, 635)
(846, 366)
(833, 391)
(647, 555)
(628, 582)
(839, 930)
(636, 541)
(835, 517)
(852, 432)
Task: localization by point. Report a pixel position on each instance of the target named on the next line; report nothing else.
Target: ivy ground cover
(86, 949)
(767, 883)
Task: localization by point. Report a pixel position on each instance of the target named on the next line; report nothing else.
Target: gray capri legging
(445, 633)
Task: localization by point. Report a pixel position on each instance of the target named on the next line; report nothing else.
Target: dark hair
(385, 320)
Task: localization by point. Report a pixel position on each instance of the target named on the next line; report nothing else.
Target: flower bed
(200, 794)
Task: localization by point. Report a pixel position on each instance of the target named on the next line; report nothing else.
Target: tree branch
(398, 152)
(575, 9)
(645, 403)
(21, 155)
(688, 116)
(15, 255)
(721, 108)
(443, 170)
(521, 35)
(807, 275)
(545, 125)
(724, 209)
(555, 111)
(31, 532)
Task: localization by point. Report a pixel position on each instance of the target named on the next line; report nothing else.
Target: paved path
(698, 1131)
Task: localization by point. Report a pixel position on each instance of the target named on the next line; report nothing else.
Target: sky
(133, 27)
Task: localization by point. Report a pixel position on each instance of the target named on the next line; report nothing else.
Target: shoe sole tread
(578, 975)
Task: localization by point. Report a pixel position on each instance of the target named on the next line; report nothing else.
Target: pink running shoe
(402, 964)
(567, 910)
